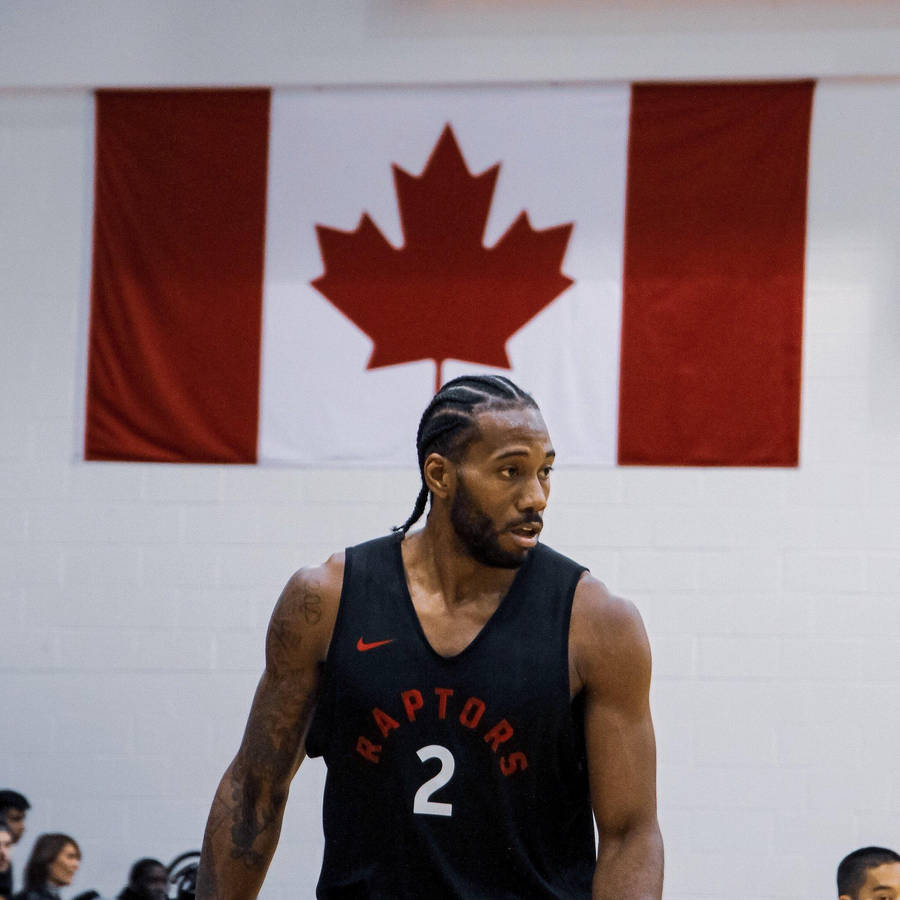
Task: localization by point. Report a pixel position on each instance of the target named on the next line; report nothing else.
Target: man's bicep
(302, 621)
(296, 643)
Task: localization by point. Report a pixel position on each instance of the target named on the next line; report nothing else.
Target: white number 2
(423, 804)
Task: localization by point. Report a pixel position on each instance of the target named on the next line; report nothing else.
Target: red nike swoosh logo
(362, 646)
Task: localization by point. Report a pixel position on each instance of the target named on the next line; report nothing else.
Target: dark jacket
(6, 882)
(43, 893)
(128, 894)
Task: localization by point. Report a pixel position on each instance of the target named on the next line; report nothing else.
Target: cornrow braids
(449, 422)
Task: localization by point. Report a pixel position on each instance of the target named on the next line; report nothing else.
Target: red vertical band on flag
(713, 274)
(176, 291)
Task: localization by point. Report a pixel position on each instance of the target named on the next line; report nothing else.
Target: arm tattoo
(312, 609)
(217, 817)
(274, 731)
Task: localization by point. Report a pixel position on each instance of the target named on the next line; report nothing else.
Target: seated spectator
(870, 873)
(6, 842)
(13, 807)
(148, 880)
(53, 863)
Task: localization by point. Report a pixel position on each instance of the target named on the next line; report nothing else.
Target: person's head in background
(6, 842)
(53, 862)
(149, 880)
(870, 873)
(13, 807)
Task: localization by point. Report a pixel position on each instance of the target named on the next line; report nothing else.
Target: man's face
(882, 883)
(154, 883)
(502, 487)
(15, 818)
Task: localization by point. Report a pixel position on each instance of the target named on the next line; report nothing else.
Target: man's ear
(845, 897)
(439, 474)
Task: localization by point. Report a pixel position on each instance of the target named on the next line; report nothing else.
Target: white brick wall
(133, 599)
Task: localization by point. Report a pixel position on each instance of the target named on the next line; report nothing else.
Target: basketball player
(479, 699)
(870, 873)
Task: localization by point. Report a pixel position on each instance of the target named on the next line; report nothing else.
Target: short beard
(477, 534)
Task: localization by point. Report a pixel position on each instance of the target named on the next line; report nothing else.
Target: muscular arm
(611, 658)
(245, 820)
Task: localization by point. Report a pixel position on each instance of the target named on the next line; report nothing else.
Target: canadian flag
(284, 277)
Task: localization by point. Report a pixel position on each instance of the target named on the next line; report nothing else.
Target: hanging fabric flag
(284, 277)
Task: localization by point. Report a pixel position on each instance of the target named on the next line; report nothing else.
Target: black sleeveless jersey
(459, 777)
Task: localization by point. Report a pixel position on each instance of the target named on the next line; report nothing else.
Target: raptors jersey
(459, 777)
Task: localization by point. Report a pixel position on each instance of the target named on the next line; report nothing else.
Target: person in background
(870, 873)
(13, 807)
(6, 842)
(147, 880)
(54, 860)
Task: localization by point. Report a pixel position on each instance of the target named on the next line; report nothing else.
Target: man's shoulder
(607, 634)
(320, 587)
(593, 605)
(600, 607)
(303, 619)
(325, 578)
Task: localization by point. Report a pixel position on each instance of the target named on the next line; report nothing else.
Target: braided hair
(449, 422)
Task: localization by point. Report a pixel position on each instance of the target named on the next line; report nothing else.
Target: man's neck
(436, 561)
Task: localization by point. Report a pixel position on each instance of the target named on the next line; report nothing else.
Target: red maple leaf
(443, 294)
